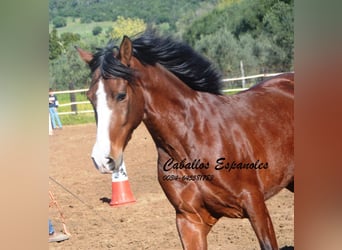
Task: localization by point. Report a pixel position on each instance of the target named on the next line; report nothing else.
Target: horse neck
(167, 104)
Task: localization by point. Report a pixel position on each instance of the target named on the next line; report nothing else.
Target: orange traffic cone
(121, 189)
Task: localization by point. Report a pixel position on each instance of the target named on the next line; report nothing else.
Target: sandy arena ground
(149, 223)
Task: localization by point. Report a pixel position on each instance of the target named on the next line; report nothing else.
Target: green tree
(69, 68)
(86, 19)
(226, 51)
(97, 30)
(55, 45)
(127, 26)
(59, 22)
(68, 38)
(278, 27)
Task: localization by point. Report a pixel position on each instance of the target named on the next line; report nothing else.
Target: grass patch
(83, 29)
(73, 119)
(77, 119)
(232, 92)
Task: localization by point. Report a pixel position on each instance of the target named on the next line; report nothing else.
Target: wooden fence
(90, 111)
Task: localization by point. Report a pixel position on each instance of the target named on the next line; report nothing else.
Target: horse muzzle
(107, 165)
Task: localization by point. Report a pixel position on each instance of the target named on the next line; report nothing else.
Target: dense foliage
(155, 11)
(259, 33)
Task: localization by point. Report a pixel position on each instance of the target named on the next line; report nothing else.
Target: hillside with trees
(259, 33)
(155, 11)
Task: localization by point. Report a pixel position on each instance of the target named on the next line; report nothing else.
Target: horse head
(117, 102)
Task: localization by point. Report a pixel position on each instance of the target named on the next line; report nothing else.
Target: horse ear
(126, 50)
(85, 56)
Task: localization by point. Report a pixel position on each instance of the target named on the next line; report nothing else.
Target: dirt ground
(84, 194)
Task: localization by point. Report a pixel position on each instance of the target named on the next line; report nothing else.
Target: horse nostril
(110, 160)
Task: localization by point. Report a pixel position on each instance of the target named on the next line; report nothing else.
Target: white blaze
(101, 148)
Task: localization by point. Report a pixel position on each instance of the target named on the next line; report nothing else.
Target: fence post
(242, 75)
(73, 97)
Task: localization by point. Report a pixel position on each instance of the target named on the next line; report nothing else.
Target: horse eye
(120, 96)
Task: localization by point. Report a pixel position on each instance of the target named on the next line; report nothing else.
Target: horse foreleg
(260, 219)
(193, 234)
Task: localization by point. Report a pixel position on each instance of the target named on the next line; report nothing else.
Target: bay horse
(218, 155)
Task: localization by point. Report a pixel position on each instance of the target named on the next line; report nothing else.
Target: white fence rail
(245, 78)
(250, 77)
(90, 111)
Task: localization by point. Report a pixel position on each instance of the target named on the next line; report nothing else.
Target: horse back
(266, 117)
(283, 82)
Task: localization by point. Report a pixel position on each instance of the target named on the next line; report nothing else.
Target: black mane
(109, 66)
(179, 58)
